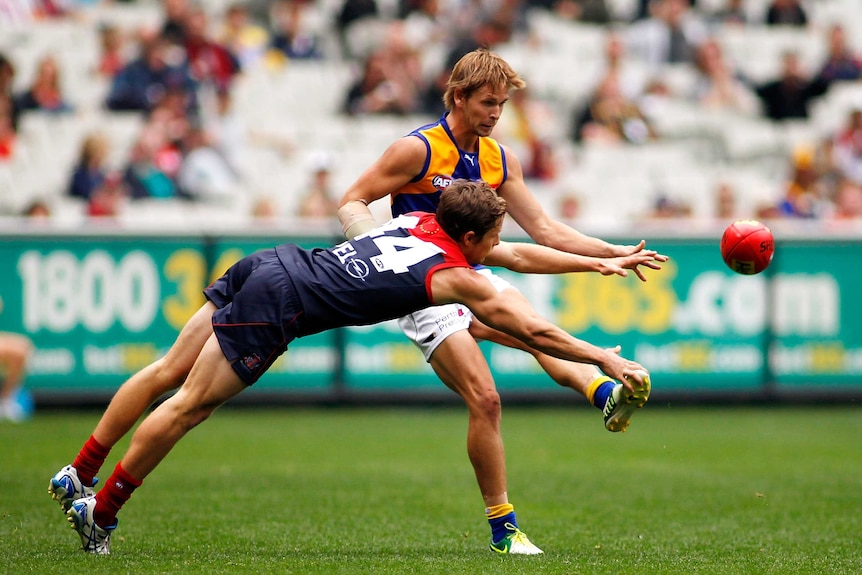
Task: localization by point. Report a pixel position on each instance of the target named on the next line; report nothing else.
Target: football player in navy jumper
(271, 297)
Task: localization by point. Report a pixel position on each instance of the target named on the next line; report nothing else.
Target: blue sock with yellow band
(599, 390)
(498, 516)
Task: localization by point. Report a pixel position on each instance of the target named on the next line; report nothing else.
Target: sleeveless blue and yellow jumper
(445, 162)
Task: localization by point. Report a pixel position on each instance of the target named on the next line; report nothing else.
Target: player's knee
(195, 417)
(189, 409)
(487, 405)
(169, 374)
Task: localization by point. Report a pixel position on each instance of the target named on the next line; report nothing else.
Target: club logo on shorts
(252, 362)
(441, 182)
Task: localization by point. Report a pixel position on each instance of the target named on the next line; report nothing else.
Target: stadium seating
(300, 103)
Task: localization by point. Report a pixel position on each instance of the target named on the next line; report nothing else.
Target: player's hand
(626, 253)
(622, 369)
(618, 266)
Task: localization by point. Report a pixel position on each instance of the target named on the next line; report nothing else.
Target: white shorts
(428, 327)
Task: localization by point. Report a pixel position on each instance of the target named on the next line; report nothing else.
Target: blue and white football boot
(94, 539)
(66, 487)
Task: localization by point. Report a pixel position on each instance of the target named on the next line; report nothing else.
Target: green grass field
(685, 491)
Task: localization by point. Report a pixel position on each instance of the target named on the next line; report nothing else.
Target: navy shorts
(257, 313)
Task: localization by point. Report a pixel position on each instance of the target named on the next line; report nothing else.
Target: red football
(747, 247)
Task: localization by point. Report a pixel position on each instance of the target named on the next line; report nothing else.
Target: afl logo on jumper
(357, 269)
(440, 183)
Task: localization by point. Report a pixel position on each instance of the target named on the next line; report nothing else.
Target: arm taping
(356, 219)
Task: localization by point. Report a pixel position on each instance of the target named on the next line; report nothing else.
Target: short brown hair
(467, 206)
(480, 68)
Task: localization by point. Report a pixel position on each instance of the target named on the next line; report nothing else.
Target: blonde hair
(477, 69)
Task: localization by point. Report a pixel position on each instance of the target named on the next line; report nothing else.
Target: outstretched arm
(517, 318)
(529, 214)
(536, 259)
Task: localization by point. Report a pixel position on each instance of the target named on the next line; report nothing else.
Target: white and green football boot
(515, 543)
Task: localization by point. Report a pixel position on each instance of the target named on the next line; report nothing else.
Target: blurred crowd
(180, 76)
